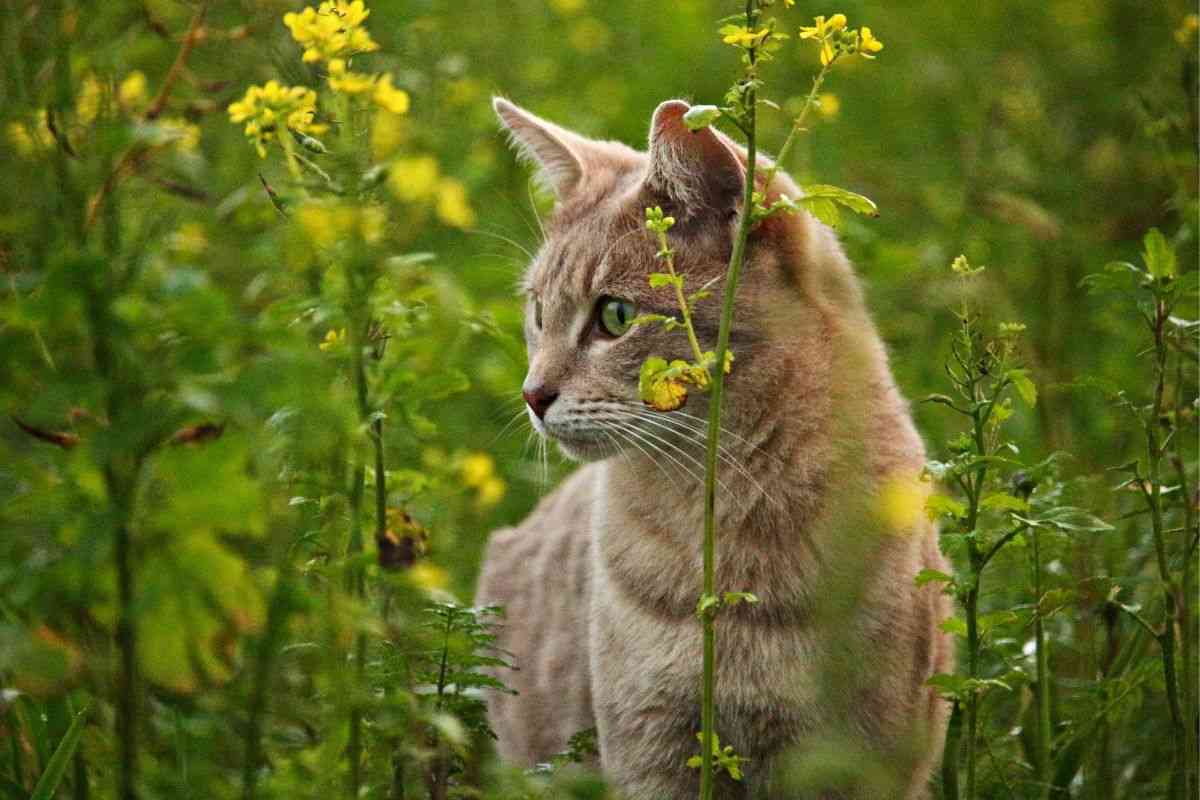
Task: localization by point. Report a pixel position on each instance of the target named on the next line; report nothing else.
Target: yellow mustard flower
(414, 179)
(332, 30)
(267, 108)
(867, 43)
(388, 96)
(1187, 29)
(343, 80)
(429, 577)
(327, 223)
(30, 139)
(828, 54)
(387, 132)
(452, 205)
(87, 102)
(476, 469)
(568, 6)
(822, 28)
(828, 105)
(372, 223)
(132, 93)
(333, 338)
(491, 492)
(741, 36)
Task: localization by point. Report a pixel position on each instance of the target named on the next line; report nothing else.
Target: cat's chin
(584, 450)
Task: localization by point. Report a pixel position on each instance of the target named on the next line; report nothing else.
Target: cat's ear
(558, 153)
(698, 172)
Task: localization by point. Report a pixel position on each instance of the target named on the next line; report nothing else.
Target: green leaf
(733, 598)
(948, 685)
(699, 117)
(932, 576)
(57, 766)
(658, 280)
(939, 505)
(1024, 386)
(1159, 255)
(855, 202)
(1000, 501)
(823, 209)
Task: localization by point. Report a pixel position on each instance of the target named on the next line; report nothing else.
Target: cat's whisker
(503, 238)
(517, 416)
(533, 207)
(649, 439)
(702, 427)
(723, 453)
(626, 436)
(696, 461)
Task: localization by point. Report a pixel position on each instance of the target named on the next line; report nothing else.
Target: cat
(822, 684)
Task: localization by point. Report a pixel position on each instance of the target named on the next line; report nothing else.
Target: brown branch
(61, 438)
(185, 49)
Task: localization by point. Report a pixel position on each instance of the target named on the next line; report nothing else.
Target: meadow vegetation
(262, 364)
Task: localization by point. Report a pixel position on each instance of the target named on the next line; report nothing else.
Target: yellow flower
(87, 103)
(372, 222)
(1187, 29)
(332, 339)
(184, 134)
(32, 138)
(491, 492)
(476, 469)
(190, 239)
(867, 43)
(264, 107)
(568, 6)
(389, 97)
(332, 30)
(414, 179)
(342, 80)
(822, 28)
(387, 132)
(452, 205)
(741, 36)
(429, 577)
(828, 105)
(132, 91)
(827, 53)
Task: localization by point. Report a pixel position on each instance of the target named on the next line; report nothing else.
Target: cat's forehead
(590, 253)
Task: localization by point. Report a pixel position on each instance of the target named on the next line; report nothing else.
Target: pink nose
(539, 400)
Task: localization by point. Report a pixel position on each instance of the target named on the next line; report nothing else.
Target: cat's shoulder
(557, 530)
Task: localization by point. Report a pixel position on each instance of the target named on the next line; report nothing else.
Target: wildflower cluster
(332, 30)
(837, 40)
(266, 108)
(663, 385)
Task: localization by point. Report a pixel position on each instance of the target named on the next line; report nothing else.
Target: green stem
(797, 125)
(1042, 687)
(950, 755)
(669, 258)
(736, 259)
(354, 551)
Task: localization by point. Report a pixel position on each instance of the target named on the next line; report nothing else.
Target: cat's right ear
(557, 153)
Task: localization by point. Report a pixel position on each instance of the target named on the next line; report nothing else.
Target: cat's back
(540, 573)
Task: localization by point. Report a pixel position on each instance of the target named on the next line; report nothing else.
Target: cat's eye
(537, 313)
(616, 315)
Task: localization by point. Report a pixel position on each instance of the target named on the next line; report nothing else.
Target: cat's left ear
(698, 172)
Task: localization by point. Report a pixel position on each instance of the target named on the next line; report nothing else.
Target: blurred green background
(1041, 139)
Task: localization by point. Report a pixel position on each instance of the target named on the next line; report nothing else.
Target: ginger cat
(820, 510)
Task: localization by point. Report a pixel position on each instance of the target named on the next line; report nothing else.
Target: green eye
(616, 315)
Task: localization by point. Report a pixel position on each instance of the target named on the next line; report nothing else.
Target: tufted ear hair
(699, 172)
(559, 154)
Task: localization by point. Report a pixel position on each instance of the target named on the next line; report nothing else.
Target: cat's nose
(539, 399)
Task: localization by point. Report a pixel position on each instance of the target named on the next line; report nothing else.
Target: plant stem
(669, 258)
(1042, 688)
(354, 551)
(736, 258)
(1151, 490)
(950, 756)
(797, 124)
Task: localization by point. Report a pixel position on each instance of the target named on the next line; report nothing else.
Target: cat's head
(589, 279)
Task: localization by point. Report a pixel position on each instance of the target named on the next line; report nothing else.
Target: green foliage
(190, 541)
